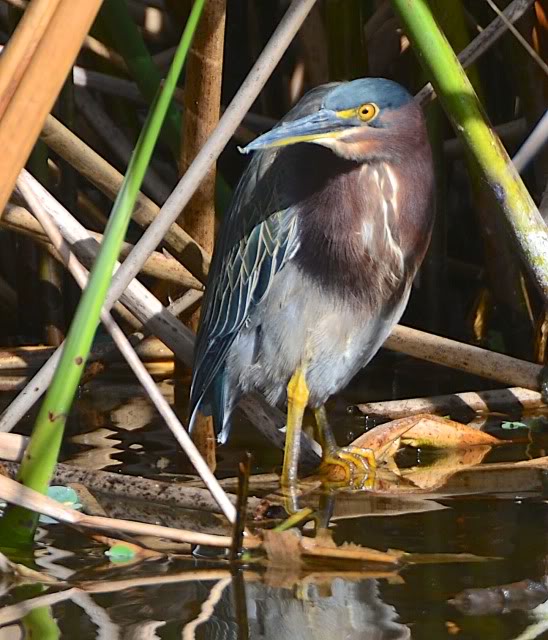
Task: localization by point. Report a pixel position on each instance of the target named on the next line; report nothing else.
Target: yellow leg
(324, 434)
(297, 399)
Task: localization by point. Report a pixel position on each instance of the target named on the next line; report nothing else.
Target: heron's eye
(367, 112)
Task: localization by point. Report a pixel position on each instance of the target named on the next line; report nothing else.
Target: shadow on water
(114, 428)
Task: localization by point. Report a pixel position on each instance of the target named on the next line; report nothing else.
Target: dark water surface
(114, 428)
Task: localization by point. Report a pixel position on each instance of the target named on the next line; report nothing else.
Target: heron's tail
(216, 403)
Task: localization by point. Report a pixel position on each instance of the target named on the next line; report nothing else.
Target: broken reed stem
(108, 180)
(15, 493)
(464, 357)
(469, 402)
(123, 344)
(159, 265)
(12, 446)
(181, 495)
(33, 357)
(40, 85)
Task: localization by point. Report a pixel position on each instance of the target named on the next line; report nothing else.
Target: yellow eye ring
(367, 112)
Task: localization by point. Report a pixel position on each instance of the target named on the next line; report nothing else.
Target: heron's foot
(349, 467)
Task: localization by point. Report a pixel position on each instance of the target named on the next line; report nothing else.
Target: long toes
(349, 466)
(363, 459)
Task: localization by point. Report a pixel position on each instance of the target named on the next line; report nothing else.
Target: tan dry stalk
(15, 493)
(202, 101)
(464, 357)
(472, 401)
(202, 111)
(108, 180)
(21, 47)
(41, 83)
(159, 265)
(156, 357)
(90, 43)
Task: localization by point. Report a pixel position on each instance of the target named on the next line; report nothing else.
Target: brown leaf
(435, 475)
(140, 552)
(284, 553)
(434, 431)
(422, 430)
(348, 551)
(282, 547)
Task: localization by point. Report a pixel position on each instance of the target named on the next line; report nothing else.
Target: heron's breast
(300, 324)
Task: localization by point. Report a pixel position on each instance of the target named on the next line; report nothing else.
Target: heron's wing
(242, 279)
(257, 237)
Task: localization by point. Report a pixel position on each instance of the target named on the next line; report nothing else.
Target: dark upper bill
(323, 124)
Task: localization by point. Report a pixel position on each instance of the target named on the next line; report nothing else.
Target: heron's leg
(357, 464)
(324, 434)
(297, 399)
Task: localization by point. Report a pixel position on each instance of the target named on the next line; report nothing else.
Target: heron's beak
(318, 126)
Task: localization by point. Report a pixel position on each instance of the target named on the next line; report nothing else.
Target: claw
(350, 467)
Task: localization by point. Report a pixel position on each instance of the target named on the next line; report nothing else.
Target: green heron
(315, 258)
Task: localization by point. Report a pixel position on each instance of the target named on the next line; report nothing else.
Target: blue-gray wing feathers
(258, 236)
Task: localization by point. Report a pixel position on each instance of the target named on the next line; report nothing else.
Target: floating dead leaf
(384, 440)
(421, 430)
(288, 548)
(348, 551)
(282, 547)
(445, 558)
(138, 553)
(434, 431)
(435, 475)
(284, 552)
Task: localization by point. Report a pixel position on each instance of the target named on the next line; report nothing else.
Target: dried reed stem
(202, 101)
(123, 344)
(41, 83)
(159, 265)
(469, 402)
(464, 357)
(21, 47)
(108, 180)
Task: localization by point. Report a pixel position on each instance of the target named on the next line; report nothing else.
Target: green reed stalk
(469, 120)
(41, 454)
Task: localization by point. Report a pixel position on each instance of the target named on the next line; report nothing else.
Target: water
(115, 429)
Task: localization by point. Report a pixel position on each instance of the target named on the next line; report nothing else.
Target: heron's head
(358, 120)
